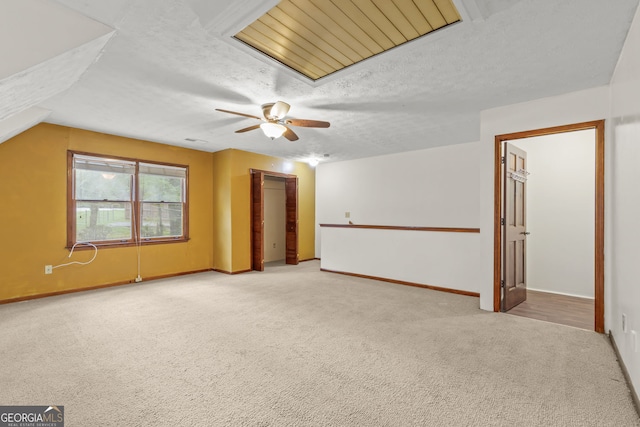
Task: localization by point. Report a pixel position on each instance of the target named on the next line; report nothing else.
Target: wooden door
(514, 231)
(257, 221)
(291, 194)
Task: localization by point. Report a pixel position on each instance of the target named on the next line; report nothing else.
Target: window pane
(161, 220)
(103, 164)
(96, 221)
(95, 185)
(156, 188)
(162, 170)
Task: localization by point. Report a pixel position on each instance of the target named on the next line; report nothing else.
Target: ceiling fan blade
(248, 129)
(239, 114)
(279, 110)
(290, 135)
(307, 123)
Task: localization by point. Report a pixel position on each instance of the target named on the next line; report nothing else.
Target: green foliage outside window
(105, 200)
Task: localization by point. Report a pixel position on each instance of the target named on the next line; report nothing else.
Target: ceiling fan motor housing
(275, 110)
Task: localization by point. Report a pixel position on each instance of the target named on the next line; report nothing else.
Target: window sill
(107, 245)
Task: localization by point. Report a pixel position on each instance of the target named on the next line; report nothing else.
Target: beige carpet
(297, 347)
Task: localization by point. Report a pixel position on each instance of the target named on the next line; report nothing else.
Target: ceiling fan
(274, 123)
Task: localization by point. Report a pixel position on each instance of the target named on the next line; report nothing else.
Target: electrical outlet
(624, 323)
(347, 214)
(48, 269)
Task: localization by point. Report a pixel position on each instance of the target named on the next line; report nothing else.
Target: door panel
(257, 218)
(291, 194)
(257, 221)
(514, 233)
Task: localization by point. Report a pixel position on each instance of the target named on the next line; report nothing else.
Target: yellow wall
(33, 216)
(221, 220)
(239, 234)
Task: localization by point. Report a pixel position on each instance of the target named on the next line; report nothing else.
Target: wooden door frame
(257, 221)
(598, 125)
(254, 247)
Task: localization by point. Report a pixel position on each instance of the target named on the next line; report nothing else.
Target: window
(115, 201)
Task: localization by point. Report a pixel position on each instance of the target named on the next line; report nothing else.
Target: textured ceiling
(169, 63)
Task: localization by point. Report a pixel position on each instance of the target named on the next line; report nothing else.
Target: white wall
(624, 201)
(274, 219)
(431, 188)
(560, 212)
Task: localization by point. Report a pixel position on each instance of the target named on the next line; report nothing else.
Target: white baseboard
(558, 293)
(625, 372)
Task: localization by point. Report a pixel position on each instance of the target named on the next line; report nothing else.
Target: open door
(498, 213)
(257, 217)
(515, 232)
(257, 221)
(291, 194)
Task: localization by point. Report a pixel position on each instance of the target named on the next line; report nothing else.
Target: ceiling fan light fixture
(274, 125)
(279, 110)
(273, 130)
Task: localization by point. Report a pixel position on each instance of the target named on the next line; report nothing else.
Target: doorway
(290, 223)
(275, 223)
(597, 224)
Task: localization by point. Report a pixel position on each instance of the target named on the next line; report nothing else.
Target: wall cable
(95, 254)
(136, 216)
(138, 244)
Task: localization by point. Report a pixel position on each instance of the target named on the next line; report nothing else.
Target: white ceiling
(157, 69)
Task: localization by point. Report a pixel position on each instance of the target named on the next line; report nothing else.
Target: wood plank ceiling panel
(398, 20)
(281, 53)
(319, 37)
(301, 42)
(431, 12)
(448, 10)
(298, 18)
(413, 14)
(366, 24)
(288, 48)
(350, 26)
(306, 34)
(380, 20)
(331, 24)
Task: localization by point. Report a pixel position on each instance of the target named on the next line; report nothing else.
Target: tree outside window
(114, 201)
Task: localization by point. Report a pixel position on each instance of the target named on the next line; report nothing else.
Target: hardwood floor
(563, 309)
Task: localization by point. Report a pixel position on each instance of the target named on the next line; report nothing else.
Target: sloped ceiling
(45, 49)
(157, 69)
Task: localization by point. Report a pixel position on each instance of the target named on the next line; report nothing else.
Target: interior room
(304, 212)
(560, 218)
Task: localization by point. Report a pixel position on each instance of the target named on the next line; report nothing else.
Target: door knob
(526, 233)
